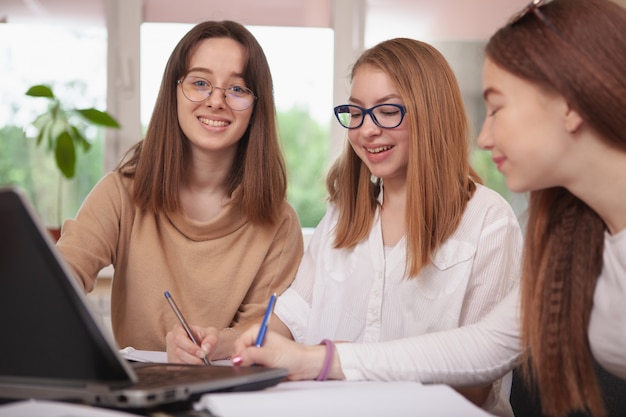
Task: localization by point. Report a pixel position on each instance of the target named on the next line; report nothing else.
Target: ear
(573, 121)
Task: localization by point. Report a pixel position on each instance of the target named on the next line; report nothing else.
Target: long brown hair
(158, 163)
(578, 53)
(440, 180)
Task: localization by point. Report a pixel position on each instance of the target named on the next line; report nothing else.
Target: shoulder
(288, 222)
(115, 180)
(287, 217)
(486, 203)
(486, 196)
(287, 212)
(113, 187)
(487, 214)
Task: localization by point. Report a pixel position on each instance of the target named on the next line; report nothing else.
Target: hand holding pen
(260, 338)
(183, 322)
(258, 346)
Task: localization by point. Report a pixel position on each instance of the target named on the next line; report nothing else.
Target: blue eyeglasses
(386, 116)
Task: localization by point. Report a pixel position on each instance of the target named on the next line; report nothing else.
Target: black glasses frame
(370, 111)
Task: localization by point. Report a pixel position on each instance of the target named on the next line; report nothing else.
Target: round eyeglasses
(386, 116)
(198, 89)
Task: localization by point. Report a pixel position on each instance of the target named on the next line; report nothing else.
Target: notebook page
(342, 398)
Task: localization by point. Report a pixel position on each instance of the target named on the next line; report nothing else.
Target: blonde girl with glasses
(411, 243)
(198, 206)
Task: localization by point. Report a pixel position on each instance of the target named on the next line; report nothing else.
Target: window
(73, 63)
(301, 59)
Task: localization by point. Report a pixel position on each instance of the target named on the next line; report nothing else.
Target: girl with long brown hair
(555, 88)
(198, 207)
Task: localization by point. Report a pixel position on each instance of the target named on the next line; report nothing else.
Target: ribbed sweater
(220, 272)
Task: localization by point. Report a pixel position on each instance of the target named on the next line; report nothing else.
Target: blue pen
(266, 320)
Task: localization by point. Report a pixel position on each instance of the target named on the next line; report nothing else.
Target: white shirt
(607, 325)
(481, 352)
(362, 295)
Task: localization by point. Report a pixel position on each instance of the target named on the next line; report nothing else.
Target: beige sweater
(220, 273)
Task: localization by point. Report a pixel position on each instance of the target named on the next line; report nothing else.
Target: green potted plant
(61, 130)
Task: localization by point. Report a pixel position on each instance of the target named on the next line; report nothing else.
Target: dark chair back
(526, 403)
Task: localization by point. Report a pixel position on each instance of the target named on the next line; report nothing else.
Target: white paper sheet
(155, 356)
(341, 398)
(132, 354)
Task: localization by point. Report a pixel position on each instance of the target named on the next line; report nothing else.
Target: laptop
(54, 346)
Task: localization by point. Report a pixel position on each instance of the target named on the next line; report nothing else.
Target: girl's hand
(302, 361)
(181, 349)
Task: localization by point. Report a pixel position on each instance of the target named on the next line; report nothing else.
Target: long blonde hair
(440, 180)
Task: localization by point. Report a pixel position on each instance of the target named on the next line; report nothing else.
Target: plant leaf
(40, 91)
(65, 155)
(80, 139)
(98, 117)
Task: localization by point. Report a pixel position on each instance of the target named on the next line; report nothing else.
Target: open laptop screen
(48, 332)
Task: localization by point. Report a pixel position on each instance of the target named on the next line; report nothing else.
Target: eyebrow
(489, 91)
(380, 100)
(209, 72)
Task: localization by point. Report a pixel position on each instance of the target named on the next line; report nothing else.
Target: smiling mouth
(215, 123)
(378, 149)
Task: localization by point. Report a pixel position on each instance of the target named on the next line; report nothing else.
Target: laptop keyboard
(159, 375)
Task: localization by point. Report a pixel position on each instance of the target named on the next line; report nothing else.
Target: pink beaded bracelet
(328, 360)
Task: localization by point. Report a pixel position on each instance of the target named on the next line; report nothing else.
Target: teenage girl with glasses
(411, 243)
(198, 208)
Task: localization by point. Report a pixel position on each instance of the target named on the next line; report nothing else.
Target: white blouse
(607, 326)
(481, 352)
(362, 295)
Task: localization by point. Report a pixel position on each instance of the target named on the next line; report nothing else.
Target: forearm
(466, 356)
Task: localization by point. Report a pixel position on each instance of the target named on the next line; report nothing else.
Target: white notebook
(341, 398)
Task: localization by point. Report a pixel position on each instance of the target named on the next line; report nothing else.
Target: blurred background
(110, 54)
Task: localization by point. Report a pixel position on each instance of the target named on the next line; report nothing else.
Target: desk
(36, 408)
(315, 399)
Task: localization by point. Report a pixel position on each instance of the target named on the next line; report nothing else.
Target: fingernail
(236, 360)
